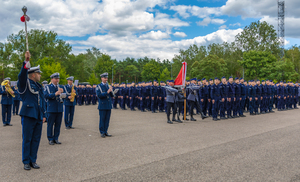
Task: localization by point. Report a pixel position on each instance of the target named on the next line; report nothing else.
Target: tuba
(73, 94)
(7, 87)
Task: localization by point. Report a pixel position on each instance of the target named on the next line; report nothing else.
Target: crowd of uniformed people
(219, 99)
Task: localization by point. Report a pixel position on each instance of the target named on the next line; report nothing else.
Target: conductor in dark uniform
(104, 93)
(32, 112)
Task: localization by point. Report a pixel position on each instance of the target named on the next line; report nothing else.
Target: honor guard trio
(219, 99)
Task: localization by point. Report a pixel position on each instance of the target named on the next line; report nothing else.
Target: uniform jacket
(32, 96)
(104, 98)
(53, 102)
(68, 91)
(193, 96)
(7, 99)
(171, 94)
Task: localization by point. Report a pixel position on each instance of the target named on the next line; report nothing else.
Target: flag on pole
(180, 80)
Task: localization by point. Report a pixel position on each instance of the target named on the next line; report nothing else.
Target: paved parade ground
(145, 148)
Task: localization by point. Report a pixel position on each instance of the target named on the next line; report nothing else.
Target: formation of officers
(219, 99)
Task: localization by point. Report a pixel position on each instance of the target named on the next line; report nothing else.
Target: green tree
(104, 64)
(93, 79)
(132, 72)
(53, 67)
(151, 71)
(258, 36)
(212, 66)
(258, 64)
(41, 44)
(165, 75)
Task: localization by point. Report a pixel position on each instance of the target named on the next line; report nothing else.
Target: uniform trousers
(53, 125)
(31, 135)
(6, 113)
(104, 120)
(69, 114)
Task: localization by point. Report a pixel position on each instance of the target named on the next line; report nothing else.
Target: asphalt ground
(145, 148)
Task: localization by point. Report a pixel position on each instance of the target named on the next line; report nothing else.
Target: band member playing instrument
(53, 94)
(104, 93)
(69, 102)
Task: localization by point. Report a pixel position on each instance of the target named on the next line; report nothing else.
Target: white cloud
(155, 35)
(235, 24)
(223, 27)
(180, 34)
(134, 46)
(201, 12)
(206, 21)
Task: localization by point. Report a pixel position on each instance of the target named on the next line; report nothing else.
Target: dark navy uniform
(16, 104)
(153, 95)
(216, 97)
(54, 110)
(69, 106)
(6, 101)
(252, 97)
(230, 101)
(32, 114)
(104, 106)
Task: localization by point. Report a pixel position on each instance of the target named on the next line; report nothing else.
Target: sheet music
(76, 83)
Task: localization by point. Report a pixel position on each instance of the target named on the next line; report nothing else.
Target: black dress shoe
(242, 116)
(215, 119)
(186, 119)
(68, 127)
(108, 135)
(193, 119)
(9, 124)
(57, 142)
(27, 167)
(51, 142)
(143, 111)
(71, 127)
(4, 125)
(103, 135)
(170, 122)
(153, 112)
(178, 121)
(133, 110)
(34, 165)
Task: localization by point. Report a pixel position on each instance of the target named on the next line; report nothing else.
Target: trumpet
(7, 87)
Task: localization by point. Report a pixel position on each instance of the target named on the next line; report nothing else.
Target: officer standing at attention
(52, 93)
(154, 96)
(69, 105)
(16, 100)
(104, 93)
(171, 101)
(32, 112)
(6, 101)
(231, 97)
(216, 97)
(94, 99)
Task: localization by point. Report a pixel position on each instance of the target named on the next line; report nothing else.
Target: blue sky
(152, 28)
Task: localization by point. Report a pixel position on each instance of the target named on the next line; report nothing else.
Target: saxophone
(7, 87)
(73, 94)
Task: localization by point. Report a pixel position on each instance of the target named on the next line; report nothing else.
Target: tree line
(255, 54)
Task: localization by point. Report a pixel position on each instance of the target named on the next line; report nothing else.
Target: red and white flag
(180, 80)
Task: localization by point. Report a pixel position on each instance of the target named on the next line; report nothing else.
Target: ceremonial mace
(25, 18)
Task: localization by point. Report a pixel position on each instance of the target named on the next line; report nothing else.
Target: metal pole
(171, 72)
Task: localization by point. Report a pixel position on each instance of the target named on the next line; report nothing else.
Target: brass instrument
(73, 94)
(7, 87)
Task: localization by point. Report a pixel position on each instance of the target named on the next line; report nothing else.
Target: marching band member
(53, 94)
(69, 103)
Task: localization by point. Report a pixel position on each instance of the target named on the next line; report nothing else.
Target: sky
(152, 28)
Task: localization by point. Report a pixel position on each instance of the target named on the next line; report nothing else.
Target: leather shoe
(4, 125)
(71, 127)
(170, 122)
(215, 119)
(103, 135)
(9, 124)
(51, 142)
(34, 165)
(68, 127)
(57, 142)
(193, 119)
(27, 167)
(108, 135)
